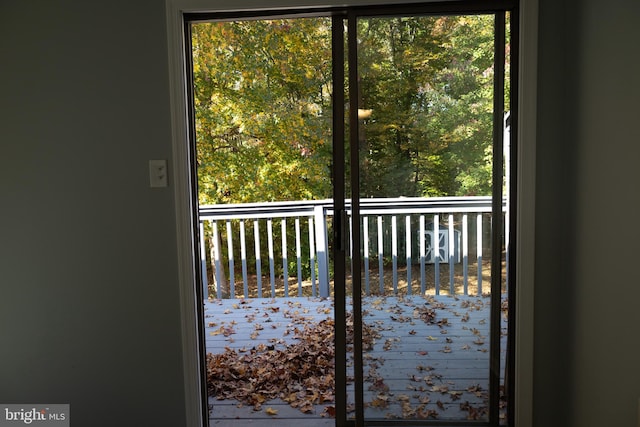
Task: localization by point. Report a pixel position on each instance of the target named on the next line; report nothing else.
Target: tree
(428, 82)
(262, 94)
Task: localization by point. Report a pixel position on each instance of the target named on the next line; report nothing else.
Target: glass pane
(426, 146)
(263, 122)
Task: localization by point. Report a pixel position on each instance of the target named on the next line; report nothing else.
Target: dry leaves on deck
(302, 374)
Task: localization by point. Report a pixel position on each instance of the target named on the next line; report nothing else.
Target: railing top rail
(369, 206)
(263, 210)
(382, 206)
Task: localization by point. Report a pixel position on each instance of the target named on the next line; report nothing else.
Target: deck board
(455, 346)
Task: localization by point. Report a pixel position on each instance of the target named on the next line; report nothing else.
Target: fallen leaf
(271, 411)
(329, 411)
(455, 395)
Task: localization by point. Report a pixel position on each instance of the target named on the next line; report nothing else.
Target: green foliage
(263, 110)
(428, 82)
(263, 91)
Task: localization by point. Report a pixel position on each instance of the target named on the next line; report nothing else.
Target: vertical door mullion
(339, 254)
(514, 38)
(352, 37)
(496, 216)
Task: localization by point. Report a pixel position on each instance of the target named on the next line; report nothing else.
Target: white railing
(392, 231)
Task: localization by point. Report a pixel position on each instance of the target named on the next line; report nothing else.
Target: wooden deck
(429, 356)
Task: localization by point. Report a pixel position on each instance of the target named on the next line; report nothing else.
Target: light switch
(158, 173)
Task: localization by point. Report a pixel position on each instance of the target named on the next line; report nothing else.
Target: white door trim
(525, 182)
(184, 205)
(525, 211)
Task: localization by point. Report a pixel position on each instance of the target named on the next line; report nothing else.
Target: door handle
(343, 236)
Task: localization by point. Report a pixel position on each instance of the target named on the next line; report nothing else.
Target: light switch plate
(158, 173)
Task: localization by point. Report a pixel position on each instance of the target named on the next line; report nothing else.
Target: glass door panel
(429, 217)
(262, 121)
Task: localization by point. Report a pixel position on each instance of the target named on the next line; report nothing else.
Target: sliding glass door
(428, 97)
(352, 168)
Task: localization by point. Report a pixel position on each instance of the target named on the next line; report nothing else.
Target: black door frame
(339, 14)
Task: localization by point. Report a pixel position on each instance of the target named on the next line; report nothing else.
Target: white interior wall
(89, 310)
(607, 348)
(586, 321)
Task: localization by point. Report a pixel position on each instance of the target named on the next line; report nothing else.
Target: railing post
(380, 255)
(232, 271)
(203, 263)
(465, 253)
(394, 253)
(407, 232)
(436, 251)
(312, 255)
(243, 257)
(452, 256)
(365, 241)
(285, 266)
(321, 250)
(272, 272)
(256, 242)
(479, 251)
(219, 276)
(298, 255)
(423, 277)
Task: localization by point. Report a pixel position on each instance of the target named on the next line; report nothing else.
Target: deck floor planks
(455, 345)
